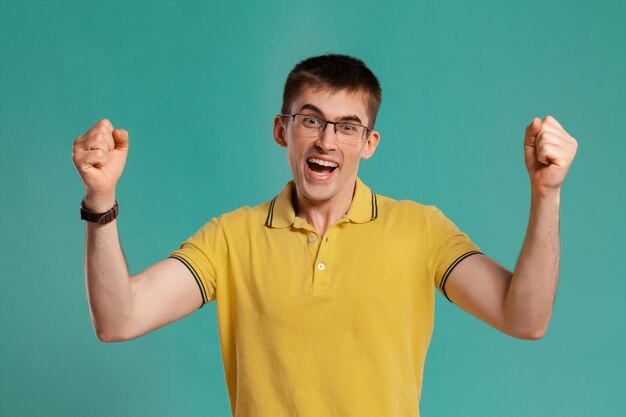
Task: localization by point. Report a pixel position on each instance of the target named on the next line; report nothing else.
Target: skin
(321, 202)
(123, 307)
(519, 303)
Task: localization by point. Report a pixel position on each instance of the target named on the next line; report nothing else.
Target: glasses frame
(325, 123)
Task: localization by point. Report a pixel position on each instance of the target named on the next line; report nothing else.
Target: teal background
(197, 85)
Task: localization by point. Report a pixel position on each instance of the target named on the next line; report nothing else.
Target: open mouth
(320, 166)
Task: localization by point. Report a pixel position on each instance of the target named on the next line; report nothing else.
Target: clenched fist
(99, 156)
(548, 151)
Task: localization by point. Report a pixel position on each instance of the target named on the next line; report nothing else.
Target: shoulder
(394, 209)
(412, 215)
(245, 214)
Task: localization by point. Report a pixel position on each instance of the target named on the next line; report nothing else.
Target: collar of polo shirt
(364, 206)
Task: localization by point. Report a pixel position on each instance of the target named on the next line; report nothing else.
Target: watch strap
(100, 218)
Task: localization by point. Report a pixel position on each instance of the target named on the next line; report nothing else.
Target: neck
(323, 214)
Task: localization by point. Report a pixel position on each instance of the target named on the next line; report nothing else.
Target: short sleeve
(199, 254)
(447, 247)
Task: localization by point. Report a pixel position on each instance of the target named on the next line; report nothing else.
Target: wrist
(547, 193)
(98, 204)
(545, 201)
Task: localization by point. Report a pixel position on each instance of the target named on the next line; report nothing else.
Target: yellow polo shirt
(333, 325)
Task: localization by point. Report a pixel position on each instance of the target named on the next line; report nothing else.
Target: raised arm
(520, 303)
(123, 307)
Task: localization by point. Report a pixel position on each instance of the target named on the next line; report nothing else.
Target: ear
(370, 145)
(279, 131)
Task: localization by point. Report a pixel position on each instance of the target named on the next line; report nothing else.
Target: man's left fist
(548, 151)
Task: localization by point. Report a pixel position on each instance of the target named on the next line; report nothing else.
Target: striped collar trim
(364, 207)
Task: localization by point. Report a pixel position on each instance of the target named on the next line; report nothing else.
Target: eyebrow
(348, 117)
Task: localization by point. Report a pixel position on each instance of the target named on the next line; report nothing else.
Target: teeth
(322, 163)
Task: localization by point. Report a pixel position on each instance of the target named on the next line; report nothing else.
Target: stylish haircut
(335, 72)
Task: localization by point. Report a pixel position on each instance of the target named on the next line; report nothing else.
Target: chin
(317, 192)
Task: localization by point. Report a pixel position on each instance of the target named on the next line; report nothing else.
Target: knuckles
(92, 147)
(105, 123)
(97, 140)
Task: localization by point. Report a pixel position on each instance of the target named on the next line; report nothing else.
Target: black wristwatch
(100, 218)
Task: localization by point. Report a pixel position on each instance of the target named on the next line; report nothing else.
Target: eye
(310, 121)
(347, 128)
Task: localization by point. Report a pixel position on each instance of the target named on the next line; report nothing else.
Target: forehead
(334, 104)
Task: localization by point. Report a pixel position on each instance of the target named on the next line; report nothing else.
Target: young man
(325, 294)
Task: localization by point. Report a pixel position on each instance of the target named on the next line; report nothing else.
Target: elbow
(530, 334)
(109, 335)
(112, 329)
(528, 327)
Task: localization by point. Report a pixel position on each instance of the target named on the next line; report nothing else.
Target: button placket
(317, 250)
(322, 270)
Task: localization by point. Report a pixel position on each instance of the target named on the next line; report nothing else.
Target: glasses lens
(310, 126)
(307, 125)
(348, 132)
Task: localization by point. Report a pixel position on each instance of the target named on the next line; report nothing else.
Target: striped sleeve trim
(196, 276)
(451, 267)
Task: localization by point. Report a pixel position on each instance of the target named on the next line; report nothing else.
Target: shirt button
(312, 238)
(321, 266)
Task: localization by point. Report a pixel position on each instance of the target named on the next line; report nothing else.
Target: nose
(327, 140)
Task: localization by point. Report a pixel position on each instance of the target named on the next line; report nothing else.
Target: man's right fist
(99, 156)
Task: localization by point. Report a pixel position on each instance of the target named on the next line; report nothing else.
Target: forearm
(530, 298)
(106, 277)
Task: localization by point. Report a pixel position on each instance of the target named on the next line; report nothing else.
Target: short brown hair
(335, 72)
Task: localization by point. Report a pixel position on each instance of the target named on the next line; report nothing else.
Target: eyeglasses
(309, 126)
